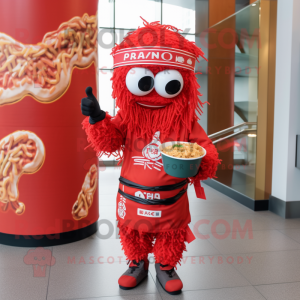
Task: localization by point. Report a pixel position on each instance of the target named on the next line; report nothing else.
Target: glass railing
(246, 64)
(239, 140)
(232, 89)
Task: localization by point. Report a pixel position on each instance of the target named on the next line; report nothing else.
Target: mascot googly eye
(140, 81)
(168, 83)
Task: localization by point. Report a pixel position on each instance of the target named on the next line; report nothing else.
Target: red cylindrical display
(48, 56)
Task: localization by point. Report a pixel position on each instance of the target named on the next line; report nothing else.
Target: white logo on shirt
(151, 155)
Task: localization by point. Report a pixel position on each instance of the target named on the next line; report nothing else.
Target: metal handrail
(234, 134)
(227, 130)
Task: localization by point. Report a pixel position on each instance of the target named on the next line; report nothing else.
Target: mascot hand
(90, 107)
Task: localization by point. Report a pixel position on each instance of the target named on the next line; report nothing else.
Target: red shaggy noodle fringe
(169, 247)
(104, 138)
(181, 112)
(209, 164)
(136, 245)
(167, 250)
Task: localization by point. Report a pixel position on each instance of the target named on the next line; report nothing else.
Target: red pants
(167, 247)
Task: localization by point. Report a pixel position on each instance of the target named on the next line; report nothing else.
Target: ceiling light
(254, 4)
(252, 135)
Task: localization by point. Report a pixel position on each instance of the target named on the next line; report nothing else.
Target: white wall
(286, 178)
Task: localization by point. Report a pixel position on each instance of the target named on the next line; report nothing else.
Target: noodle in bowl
(181, 167)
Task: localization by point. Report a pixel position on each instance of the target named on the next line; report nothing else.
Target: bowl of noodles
(181, 159)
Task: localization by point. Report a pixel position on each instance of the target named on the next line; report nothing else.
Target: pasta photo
(44, 70)
(21, 152)
(84, 201)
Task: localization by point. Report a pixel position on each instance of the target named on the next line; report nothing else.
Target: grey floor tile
(278, 222)
(207, 272)
(200, 247)
(264, 240)
(292, 233)
(107, 229)
(270, 267)
(92, 281)
(237, 293)
(13, 257)
(286, 291)
(89, 251)
(196, 251)
(108, 200)
(207, 208)
(225, 200)
(131, 297)
(211, 195)
(107, 212)
(21, 284)
(225, 223)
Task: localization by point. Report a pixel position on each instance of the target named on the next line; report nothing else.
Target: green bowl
(180, 167)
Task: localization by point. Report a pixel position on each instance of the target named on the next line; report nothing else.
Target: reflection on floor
(238, 255)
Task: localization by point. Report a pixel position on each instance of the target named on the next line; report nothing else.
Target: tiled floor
(238, 255)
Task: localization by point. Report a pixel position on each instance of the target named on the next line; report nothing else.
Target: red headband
(154, 56)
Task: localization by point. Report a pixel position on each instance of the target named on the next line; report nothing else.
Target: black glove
(90, 107)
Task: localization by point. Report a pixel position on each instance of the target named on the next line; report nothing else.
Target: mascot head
(154, 83)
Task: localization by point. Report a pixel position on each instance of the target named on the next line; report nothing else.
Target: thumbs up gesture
(90, 107)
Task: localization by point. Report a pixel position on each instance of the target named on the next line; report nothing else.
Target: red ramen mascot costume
(156, 91)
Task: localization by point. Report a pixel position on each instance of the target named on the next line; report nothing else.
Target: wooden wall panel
(221, 67)
(220, 10)
(221, 63)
